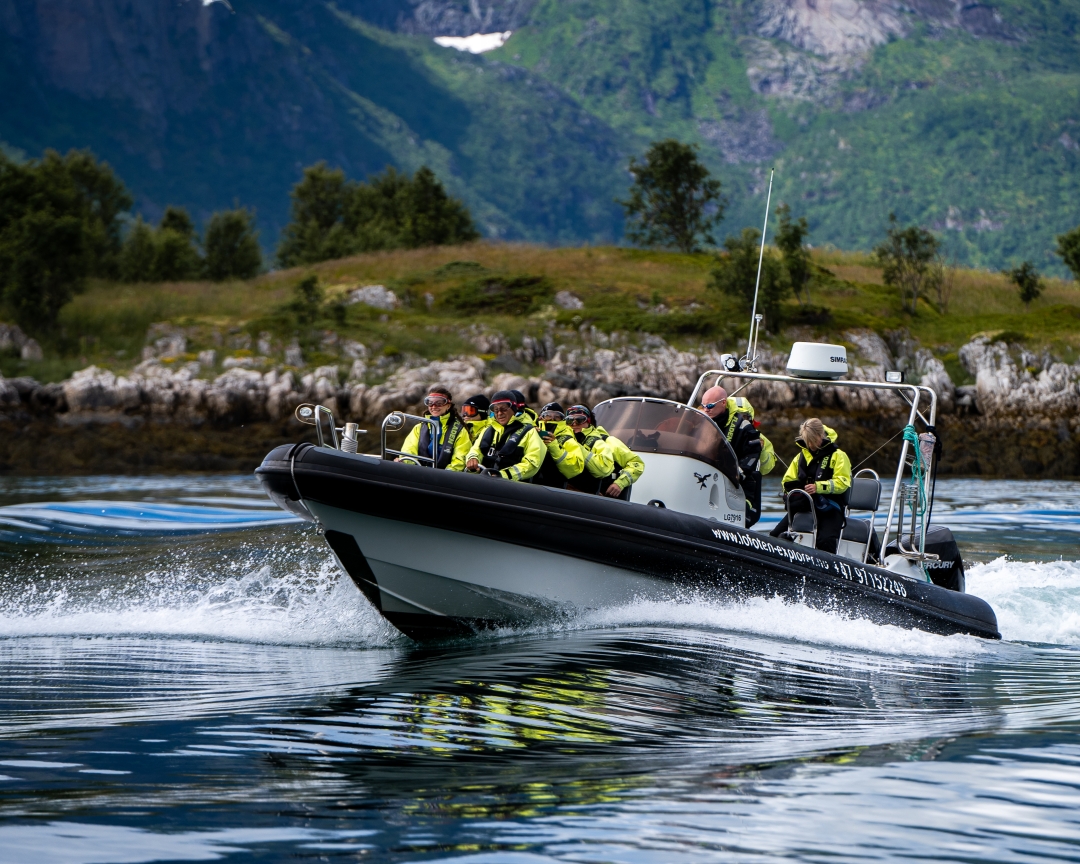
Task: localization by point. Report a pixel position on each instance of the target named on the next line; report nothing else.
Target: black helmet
(505, 396)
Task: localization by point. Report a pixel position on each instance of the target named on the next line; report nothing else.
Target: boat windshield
(659, 426)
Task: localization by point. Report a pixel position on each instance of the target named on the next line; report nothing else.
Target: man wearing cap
(508, 447)
(754, 452)
(610, 466)
(565, 457)
(474, 414)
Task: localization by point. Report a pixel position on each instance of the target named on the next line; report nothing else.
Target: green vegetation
(59, 225)
(510, 289)
(736, 275)
(907, 259)
(791, 241)
(232, 245)
(1068, 247)
(1028, 282)
(974, 137)
(333, 217)
(673, 202)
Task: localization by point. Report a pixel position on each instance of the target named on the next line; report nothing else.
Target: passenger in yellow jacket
(628, 466)
(823, 471)
(453, 444)
(508, 447)
(610, 466)
(474, 414)
(565, 456)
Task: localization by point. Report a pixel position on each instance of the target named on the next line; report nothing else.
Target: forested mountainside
(964, 117)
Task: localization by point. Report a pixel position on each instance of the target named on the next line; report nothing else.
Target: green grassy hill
(965, 119)
(510, 288)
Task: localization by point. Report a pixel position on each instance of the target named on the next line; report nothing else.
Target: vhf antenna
(755, 319)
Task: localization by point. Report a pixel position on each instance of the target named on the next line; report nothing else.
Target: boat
(445, 554)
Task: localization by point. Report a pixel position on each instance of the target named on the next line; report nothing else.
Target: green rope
(918, 479)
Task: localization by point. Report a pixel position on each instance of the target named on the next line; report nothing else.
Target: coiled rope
(918, 480)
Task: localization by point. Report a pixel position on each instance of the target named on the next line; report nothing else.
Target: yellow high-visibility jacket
(630, 466)
(835, 470)
(565, 451)
(461, 443)
(533, 447)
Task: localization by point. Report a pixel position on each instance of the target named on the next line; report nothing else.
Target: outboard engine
(948, 570)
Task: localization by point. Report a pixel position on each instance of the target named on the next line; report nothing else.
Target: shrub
(1068, 248)
(735, 274)
(232, 246)
(673, 201)
(59, 224)
(1027, 280)
(513, 295)
(333, 217)
(908, 258)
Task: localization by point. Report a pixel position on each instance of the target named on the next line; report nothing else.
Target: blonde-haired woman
(823, 471)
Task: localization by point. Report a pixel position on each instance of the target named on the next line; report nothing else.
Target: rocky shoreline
(1018, 418)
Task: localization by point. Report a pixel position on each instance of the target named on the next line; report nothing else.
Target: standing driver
(754, 452)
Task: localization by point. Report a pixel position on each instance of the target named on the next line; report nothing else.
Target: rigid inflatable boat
(443, 553)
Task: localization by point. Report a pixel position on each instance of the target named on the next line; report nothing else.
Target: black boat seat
(865, 494)
(856, 540)
(856, 530)
(802, 527)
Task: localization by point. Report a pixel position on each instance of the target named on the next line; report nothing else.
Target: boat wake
(211, 558)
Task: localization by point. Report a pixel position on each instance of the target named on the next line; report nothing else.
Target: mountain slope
(962, 116)
(197, 106)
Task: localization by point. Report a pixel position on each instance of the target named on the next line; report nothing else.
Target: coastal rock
(598, 366)
(405, 390)
(1003, 387)
(568, 300)
(12, 338)
(377, 296)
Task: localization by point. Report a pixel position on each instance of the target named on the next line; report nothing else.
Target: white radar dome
(817, 360)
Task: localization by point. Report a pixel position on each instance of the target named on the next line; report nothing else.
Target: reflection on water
(173, 696)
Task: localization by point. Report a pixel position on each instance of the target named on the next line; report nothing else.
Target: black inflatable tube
(702, 555)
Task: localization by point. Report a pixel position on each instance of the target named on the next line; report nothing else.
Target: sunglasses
(436, 401)
(708, 406)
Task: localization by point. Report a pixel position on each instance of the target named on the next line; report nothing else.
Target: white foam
(776, 618)
(300, 598)
(1034, 601)
(477, 43)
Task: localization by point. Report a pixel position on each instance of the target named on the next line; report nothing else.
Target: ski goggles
(436, 401)
(552, 415)
(577, 419)
(497, 407)
(469, 411)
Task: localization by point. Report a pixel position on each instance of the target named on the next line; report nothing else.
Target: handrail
(873, 513)
(916, 392)
(395, 420)
(791, 516)
(309, 415)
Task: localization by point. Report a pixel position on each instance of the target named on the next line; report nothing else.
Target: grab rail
(394, 421)
(311, 415)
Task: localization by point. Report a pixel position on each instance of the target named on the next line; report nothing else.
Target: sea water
(187, 677)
